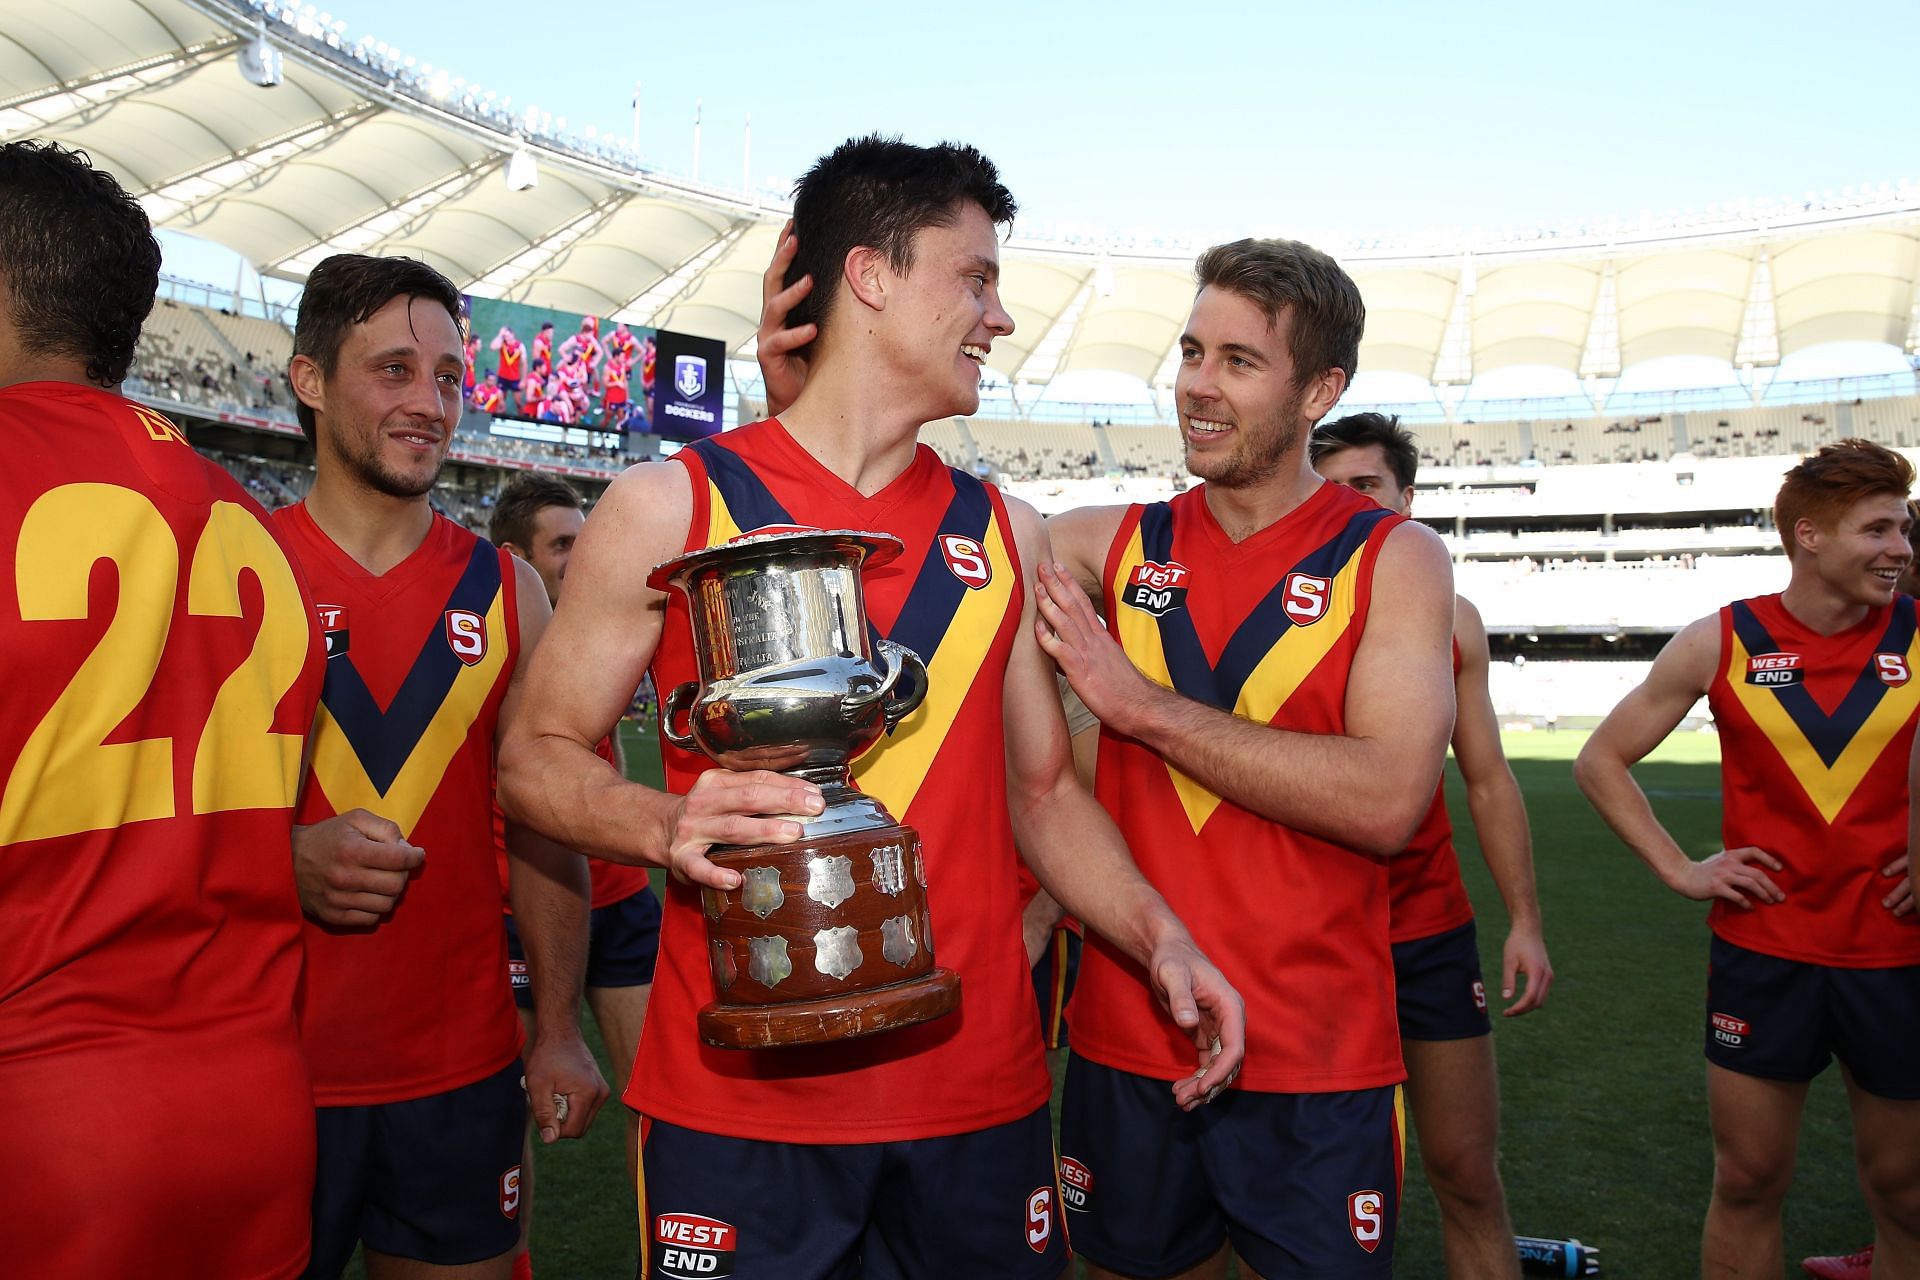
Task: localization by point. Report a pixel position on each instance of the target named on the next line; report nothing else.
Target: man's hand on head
(779, 349)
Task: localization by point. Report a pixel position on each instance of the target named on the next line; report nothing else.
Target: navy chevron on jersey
(1266, 628)
(1814, 738)
(954, 597)
(421, 659)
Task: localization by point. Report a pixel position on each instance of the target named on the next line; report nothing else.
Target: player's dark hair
(345, 290)
(1826, 483)
(878, 192)
(519, 505)
(78, 256)
(1287, 276)
(1358, 430)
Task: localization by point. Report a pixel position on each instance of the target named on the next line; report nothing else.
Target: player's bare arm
(1399, 708)
(1499, 817)
(1079, 857)
(1680, 677)
(581, 678)
(548, 888)
(1080, 540)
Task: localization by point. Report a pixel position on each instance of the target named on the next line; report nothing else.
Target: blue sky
(1214, 120)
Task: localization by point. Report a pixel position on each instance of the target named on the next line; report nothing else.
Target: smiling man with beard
(1816, 947)
(1250, 702)
(411, 1034)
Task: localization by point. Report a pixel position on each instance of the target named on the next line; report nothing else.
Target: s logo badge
(1892, 669)
(510, 1192)
(1305, 598)
(967, 560)
(1040, 1219)
(1366, 1213)
(466, 635)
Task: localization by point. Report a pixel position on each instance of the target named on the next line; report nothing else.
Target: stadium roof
(359, 149)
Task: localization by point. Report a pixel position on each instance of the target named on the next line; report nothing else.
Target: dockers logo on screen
(1776, 670)
(1892, 669)
(1730, 1031)
(690, 376)
(1040, 1219)
(333, 626)
(510, 1192)
(466, 635)
(1157, 588)
(1366, 1218)
(1076, 1184)
(967, 560)
(1305, 598)
(693, 1247)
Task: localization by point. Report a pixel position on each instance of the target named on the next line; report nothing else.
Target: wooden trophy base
(864, 1013)
(825, 939)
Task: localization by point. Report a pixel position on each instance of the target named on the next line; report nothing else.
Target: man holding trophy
(876, 601)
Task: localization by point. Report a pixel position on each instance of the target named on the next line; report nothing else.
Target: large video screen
(570, 371)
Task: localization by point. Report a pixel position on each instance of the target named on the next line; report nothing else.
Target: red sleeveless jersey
(612, 881)
(1267, 629)
(1426, 896)
(953, 597)
(418, 661)
(513, 356)
(1814, 736)
(162, 668)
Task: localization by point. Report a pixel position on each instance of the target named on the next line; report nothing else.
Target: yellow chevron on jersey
(720, 523)
(1290, 659)
(344, 778)
(893, 775)
(1829, 787)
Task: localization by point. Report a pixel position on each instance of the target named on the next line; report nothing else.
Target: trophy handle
(679, 702)
(905, 686)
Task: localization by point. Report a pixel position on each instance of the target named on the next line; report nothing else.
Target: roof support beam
(79, 101)
(395, 220)
(178, 197)
(1453, 364)
(1760, 324)
(513, 277)
(1044, 360)
(643, 307)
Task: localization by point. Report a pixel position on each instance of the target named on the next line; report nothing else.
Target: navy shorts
(1053, 979)
(1438, 987)
(623, 940)
(435, 1179)
(954, 1208)
(1785, 1020)
(1302, 1184)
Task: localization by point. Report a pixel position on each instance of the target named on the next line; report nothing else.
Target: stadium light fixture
(523, 172)
(259, 61)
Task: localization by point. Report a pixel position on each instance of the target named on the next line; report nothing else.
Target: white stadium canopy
(358, 149)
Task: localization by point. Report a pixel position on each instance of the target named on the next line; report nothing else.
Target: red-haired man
(1816, 950)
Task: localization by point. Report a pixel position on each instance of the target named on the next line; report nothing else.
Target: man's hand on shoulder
(1072, 634)
(350, 870)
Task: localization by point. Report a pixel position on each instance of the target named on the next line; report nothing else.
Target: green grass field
(1604, 1090)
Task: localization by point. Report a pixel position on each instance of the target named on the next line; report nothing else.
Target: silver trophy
(826, 938)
